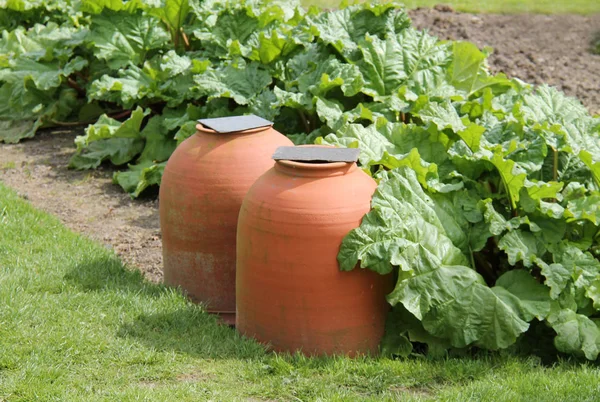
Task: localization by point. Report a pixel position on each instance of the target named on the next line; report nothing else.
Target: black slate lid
(316, 154)
(235, 123)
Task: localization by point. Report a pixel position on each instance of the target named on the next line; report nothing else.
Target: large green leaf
(173, 13)
(98, 6)
(382, 65)
(240, 84)
(468, 71)
(230, 30)
(403, 215)
(425, 61)
(521, 246)
(12, 131)
(548, 104)
(532, 298)
(576, 334)
(576, 267)
(125, 39)
(117, 150)
(345, 28)
(44, 76)
(46, 43)
(139, 177)
(453, 302)
(377, 140)
(331, 74)
(107, 127)
(109, 139)
(160, 143)
(443, 116)
(131, 87)
(372, 141)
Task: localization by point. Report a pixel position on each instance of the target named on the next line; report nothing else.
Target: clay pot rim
(315, 166)
(205, 130)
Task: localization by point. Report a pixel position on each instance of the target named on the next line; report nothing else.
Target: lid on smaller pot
(235, 123)
(316, 154)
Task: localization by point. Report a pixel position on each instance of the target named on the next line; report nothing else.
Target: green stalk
(304, 121)
(555, 166)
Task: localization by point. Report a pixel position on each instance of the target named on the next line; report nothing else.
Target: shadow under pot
(290, 291)
(202, 189)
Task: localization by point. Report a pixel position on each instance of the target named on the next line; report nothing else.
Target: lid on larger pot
(235, 123)
(316, 154)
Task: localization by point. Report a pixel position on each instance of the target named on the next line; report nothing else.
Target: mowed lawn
(496, 6)
(76, 325)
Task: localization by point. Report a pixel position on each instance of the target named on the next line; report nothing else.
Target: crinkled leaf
(12, 131)
(239, 84)
(44, 76)
(468, 71)
(346, 27)
(548, 104)
(159, 143)
(107, 127)
(124, 39)
(576, 334)
(453, 302)
(173, 13)
(442, 115)
(140, 177)
(532, 298)
(117, 150)
(402, 215)
(521, 246)
(382, 65)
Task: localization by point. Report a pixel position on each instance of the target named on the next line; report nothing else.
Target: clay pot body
(202, 189)
(290, 291)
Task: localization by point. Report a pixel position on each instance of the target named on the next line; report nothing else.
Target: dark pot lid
(235, 123)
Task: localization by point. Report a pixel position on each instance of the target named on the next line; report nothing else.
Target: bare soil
(87, 202)
(535, 48)
(551, 49)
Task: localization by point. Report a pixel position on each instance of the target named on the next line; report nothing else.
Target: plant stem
(70, 123)
(472, 259)
(186, 41)
(120, 115)
(73, 84)
(555, 166)
(304, 121)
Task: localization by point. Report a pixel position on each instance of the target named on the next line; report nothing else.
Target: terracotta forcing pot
(290, 291)
(202, 189)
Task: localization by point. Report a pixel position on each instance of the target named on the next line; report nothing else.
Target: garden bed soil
(534, 48)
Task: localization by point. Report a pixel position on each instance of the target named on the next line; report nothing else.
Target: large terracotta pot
(202, 189)
(290, 291)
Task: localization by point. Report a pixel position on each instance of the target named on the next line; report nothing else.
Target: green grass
(76, 325)
(496, 6)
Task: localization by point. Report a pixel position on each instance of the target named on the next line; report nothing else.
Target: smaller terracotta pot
(290, 291)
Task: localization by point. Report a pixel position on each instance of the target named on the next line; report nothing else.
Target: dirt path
(86, 202)
(535, 48)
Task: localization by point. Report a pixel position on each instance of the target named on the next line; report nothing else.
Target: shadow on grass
(193, 332)
(185, 329)
(110, 274)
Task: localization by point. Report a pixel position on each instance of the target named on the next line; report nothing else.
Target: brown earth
(552, 49)
(535, 48)
(86, 202)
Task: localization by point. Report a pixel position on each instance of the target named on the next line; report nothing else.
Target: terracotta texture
(201, 192)
(290, 291)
